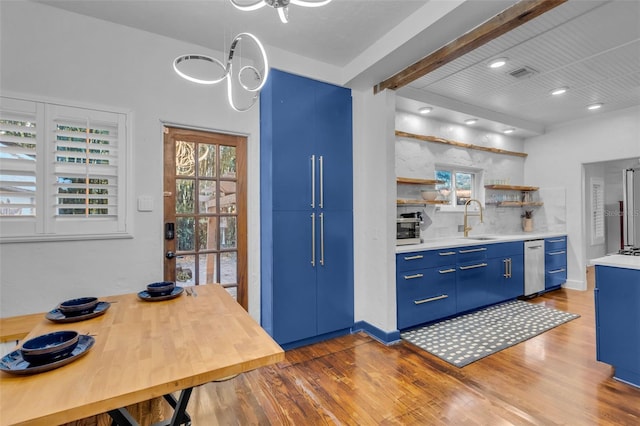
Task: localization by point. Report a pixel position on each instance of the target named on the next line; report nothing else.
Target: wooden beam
(459, 144)
(505, 21)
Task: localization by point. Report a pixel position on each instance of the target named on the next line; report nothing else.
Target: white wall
(417, 159)
(557, 157)
(374, 214)
(50, 53)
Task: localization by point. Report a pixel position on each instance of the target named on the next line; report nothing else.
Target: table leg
(122, 417)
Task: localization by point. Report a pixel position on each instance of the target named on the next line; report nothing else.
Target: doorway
(205, 209)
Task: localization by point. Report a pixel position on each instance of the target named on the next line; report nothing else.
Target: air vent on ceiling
(523, 72)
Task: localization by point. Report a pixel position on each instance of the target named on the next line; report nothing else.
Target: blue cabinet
(425, 293)
(506, 272)
(435, 284)
(555, 262)
(306, 199)
(617, 300)
(471, 277)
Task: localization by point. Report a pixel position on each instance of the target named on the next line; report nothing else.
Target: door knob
(170, 255)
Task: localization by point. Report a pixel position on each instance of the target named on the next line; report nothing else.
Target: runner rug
(470, 337)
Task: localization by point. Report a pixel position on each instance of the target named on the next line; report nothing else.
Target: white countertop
(618, 261)
(474, 240)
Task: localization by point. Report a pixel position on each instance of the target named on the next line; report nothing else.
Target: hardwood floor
(551, 379)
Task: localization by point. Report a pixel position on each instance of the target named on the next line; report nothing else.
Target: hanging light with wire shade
(282, 6)
(249, 78)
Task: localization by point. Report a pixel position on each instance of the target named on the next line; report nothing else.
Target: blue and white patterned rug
(470, 337)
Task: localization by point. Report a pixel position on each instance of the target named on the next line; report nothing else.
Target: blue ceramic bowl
(162, 288)
(50, 347)
(80, 306)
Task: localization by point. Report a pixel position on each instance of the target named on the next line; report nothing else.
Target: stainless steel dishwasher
(533, 267)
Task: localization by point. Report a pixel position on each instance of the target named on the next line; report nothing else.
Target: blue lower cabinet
(555, 262)
(471, 284)
(506, 280)
(425, 295)
(617, 304)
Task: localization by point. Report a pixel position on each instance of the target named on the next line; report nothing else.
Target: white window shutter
(18, 156)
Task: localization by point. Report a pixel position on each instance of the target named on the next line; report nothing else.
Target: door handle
(313, 181)
(321, 163)
(313, 239)
(321, 236)
(473, 250)
(170, 255)
(479, 265)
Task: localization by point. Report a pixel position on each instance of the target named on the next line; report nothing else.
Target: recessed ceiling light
(497, 63)
(594, 106)
(425, 110)
(471, 121)
(559, 91)
(510, 130)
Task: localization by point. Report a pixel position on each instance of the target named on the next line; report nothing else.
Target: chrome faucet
(467, 228)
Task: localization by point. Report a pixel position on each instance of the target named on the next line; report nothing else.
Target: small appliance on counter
(408, 228)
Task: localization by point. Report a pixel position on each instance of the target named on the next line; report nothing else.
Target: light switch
(145, 203)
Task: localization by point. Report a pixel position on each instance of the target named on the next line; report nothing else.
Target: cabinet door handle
(479, 265)
(447, 271)
(557, 271)
(473, 250)
(417, 256)
(322, 239)
(313, 181)
(510, 267)
(313, 239)
(414, 276)
(555, 253)
(431, 299)
(534, 247)
(506, 268)
(446, 253)
(321, 163)
(561, 240)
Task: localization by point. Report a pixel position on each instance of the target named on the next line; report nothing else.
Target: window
(459, 185)
(62, 172)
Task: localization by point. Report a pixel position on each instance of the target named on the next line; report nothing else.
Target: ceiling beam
(505, 21)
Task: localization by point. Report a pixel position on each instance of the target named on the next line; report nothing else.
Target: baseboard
(384, 337)
(315, 339)
(575, 285)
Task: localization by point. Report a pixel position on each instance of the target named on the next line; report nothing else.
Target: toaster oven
(408, 230)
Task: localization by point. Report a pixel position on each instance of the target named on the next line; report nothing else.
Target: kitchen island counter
(618, 261)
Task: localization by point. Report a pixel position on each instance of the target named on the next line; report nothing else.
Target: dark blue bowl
(162, 288)
(49, 347)
(79, 306)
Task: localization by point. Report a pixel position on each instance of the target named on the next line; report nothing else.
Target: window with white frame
(458, 185)
(62, 172)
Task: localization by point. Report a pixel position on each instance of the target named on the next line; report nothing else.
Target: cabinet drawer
(424, 259)
(555, 259)
(471, 253)
(425, 295)
(555, 244)
(514, 248)
(555, 277)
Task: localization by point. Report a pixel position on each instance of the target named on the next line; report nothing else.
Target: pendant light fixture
(282, 6)
(249, 78)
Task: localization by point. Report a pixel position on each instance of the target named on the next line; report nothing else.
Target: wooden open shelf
(419, 202)
(414, 181)
(512, 187)
(517, 203)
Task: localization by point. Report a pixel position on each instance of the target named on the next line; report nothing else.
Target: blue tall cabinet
(306, 200)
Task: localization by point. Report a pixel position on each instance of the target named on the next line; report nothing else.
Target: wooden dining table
(142, 350)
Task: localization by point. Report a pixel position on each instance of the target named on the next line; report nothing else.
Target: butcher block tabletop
(142, 350)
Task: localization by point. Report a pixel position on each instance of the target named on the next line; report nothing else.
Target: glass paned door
(205, 205)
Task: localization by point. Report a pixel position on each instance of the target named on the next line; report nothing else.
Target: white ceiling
(593, 47)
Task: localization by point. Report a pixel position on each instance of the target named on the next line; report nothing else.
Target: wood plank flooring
(551, 379)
